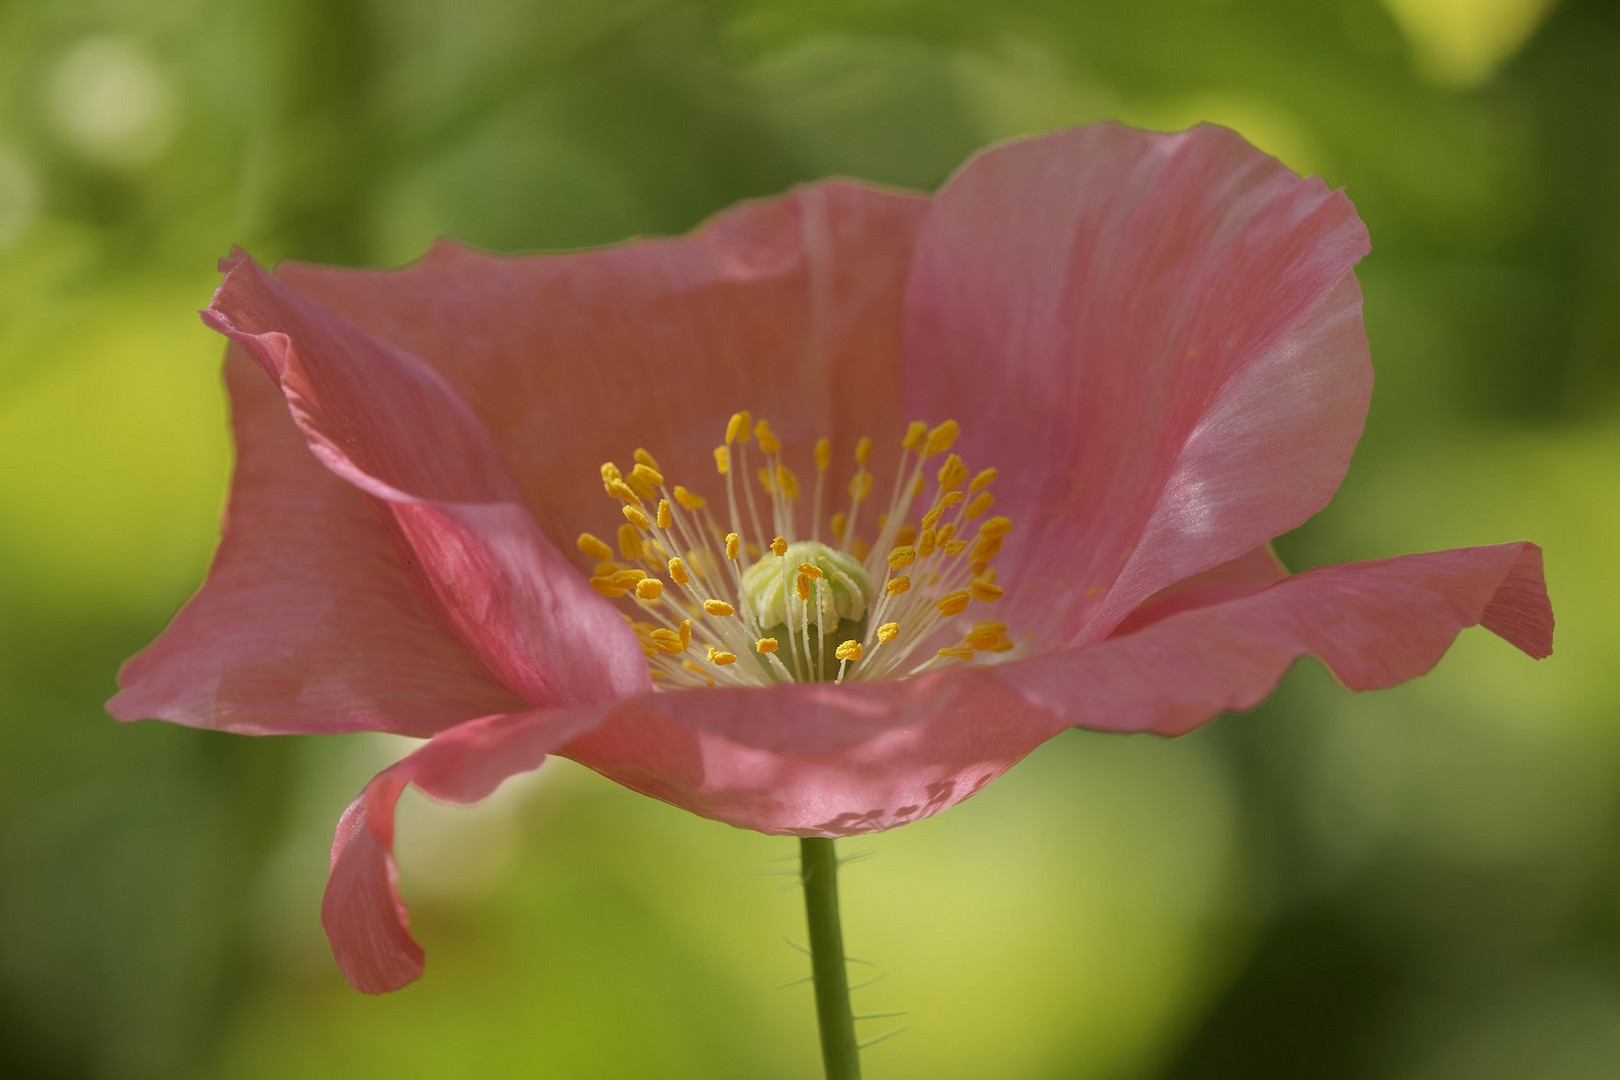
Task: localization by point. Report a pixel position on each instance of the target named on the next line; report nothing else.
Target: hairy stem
(840, 1055)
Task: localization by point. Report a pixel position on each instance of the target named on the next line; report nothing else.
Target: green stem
(840, 1055)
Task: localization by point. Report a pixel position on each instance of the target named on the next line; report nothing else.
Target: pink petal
(861, 757)
(365, 919)
(1158, 338)
(789, 307)
(392, 427)
(839, 760)
(309, 620)
(1374, 624)
(1243, 576)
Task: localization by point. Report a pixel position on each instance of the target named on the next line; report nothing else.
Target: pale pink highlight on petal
(396, 430)
(1158, 337)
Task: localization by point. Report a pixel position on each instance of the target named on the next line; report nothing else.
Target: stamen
(594, 547)
(817, 611)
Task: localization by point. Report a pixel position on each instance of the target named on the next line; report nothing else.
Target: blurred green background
(1419, 883)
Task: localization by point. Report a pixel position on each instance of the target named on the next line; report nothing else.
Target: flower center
(804, 609)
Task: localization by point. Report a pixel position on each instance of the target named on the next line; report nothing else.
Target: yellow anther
(732, 543)
(722, 459)
(765, 480)
(810, 570)
(645, 458)
(898, 585)
(914, 434)
(863, 450)
(860, 549)
(627, 579)
(957, 652)
(737, 428)
(996, 526)
(902, 557)
(981, 502)
(677, 571)
(981, 642)
(952, 498)
(630, 545)
(952, 474)
(986, 548)
(887, 631)
(952, 603)
(649, 589)
(719, 658)
(607, 568)
(906, 535)
(984, 592)
(686, 632)
(1004, 645)
(765, 645)
(945, 532)
(849, 650)
(606, 587)
(986, 476)
(787, 483)
(801, 586)
(610, 472)
(955, 547)
(594, 547)
(718, 608)
(634, 516)
(779, 547)
(917, 487)
(688, 500)
(621, 490)
(823, 454)
(984, 635)
(645, 481)
(930, 519)
(926, 543)
(941, 438)
(665, 518)
(668, 642)
(839, 520)
(768, 441)
(860, 486)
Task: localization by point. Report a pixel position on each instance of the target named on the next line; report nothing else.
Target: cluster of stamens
(745, 606)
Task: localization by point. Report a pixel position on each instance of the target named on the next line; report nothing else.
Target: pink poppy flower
(1156, 339)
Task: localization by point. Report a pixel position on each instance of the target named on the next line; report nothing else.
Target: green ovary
(844, 591)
